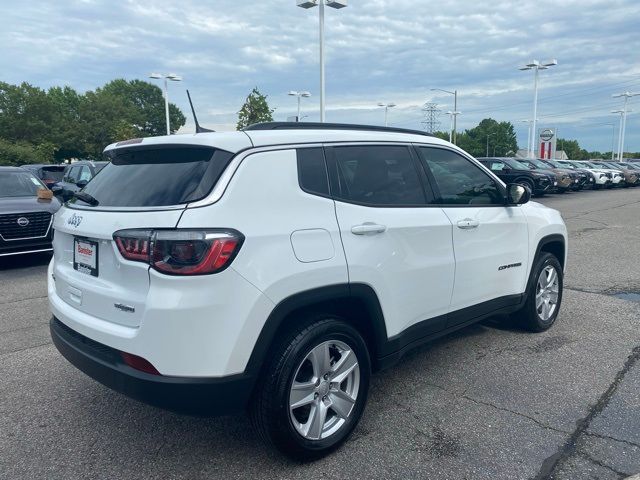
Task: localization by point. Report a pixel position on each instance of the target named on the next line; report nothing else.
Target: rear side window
(155, 177)
(312, 171)
(377, 175)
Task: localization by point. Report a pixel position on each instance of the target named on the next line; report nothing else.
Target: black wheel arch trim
(308, 298)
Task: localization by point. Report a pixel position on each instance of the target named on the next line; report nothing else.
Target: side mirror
(81, 183)
(57, 190)
(518, 194)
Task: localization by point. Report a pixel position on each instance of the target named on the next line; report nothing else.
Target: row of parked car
(560, 176)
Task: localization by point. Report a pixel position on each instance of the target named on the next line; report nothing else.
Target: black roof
(331, 126)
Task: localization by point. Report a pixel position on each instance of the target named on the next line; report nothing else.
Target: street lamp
(536, 66)
(293, 93)
(623, 124)
(386, 106)
(321, 3)
(174, 78)
(453, 116)
(455, 109)
(488, 135)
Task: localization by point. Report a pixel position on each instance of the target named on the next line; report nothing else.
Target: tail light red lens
(139, 363)
(181, 252)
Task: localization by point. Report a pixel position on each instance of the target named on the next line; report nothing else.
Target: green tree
(255, 110)
(572, 149)
(499, 136)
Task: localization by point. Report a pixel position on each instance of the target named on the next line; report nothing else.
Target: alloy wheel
(547, 290)
(324, 390)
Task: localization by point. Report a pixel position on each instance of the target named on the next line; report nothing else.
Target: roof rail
(331, 126)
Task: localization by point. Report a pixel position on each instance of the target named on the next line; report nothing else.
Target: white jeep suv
(274, 269)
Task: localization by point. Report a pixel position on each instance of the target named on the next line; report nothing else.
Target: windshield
(516, 164)
(157, 176)
(567, 165)
(539, 164)
(19, 184)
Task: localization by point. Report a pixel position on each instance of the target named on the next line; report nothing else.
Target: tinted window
(377, 175)
(459, 181)
(74, 172)
(19, 184)
(151, 177)
(312, 171)
(52, 173)
(495, 166)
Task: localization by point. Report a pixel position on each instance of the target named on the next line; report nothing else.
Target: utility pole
(536, 66)
(431, 113)
(623, 123)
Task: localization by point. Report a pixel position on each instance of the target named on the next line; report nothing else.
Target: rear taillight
(181, 252)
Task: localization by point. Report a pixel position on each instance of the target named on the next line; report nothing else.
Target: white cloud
(376, 50)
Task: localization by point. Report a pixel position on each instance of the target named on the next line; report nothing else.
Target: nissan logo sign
(546, 134)
(23, 221)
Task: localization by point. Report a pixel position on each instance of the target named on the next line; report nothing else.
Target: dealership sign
(547, 143)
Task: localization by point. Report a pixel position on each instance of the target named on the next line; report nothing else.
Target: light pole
(452, 127)
(174, 78)
(293, 93)
(386, 106)
(621, 113)
(536, 66)
(623, 124)
(488, 135)
(528, 122)
(321, 3)
(455, 109)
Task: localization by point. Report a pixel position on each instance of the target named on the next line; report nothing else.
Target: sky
(376, 51)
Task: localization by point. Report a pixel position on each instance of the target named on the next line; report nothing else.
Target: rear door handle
(468, 223)
(368, 228)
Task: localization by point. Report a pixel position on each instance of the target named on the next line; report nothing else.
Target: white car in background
(605, 177)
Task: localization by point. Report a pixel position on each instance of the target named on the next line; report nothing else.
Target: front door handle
(468, 223)
(368, 228)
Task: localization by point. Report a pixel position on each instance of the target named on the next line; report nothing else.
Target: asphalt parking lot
(486, 402)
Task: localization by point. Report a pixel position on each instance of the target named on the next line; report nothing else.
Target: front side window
(377, 175)
(496, 166)
(459, 181)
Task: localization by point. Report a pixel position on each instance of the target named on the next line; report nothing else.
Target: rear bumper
(193, 395)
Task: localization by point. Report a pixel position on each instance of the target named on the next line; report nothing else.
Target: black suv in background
(49, 174)
(510, 170)
(76, 176)
(25, 218)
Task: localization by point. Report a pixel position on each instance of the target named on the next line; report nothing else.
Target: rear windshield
(155, 177)
(52, 173)
(19, 184)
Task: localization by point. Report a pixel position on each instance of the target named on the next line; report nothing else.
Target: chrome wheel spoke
(315, 424)
(302, 393)
(320, 359)
(539, 301)
(341, 403)
(548, 292)
(344, 366)
(551, 278)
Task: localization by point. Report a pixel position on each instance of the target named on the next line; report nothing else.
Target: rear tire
(313, 389)
(544, 297)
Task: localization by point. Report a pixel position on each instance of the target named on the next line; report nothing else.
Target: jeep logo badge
(23, 221)
(74, 220)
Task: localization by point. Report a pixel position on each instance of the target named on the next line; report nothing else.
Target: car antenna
(199, 129)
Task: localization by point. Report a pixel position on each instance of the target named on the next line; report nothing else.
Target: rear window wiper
(86, 198)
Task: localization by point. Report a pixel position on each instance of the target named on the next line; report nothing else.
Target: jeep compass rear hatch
(141, 189)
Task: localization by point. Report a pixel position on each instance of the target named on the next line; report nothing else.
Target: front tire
(313, 389)
(544, 297)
